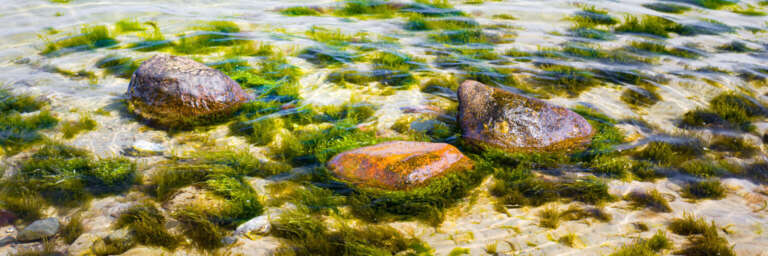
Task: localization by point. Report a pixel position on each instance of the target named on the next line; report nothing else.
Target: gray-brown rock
(497, 118)
(174, 91)
(39, 229)
(398, 164)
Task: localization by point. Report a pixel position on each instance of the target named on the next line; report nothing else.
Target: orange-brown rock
(398, 165)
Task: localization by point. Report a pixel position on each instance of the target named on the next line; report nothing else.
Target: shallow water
(25, 24)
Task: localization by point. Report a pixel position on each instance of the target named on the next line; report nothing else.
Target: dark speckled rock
(512, 122)
(174, 91)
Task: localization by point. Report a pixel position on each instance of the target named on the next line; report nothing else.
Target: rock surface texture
(398, 164)
(39, 229)
(512, 122)
(174, 91)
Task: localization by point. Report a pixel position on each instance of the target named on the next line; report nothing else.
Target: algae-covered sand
(675, 90)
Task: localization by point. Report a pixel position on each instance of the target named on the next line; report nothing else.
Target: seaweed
(197, 227)
(122, 67)
(18, 131)
(734, 145)
(645, 247)
(703, 238)
(209, 35)
(308, 235)
(640, 97)
(300, 11)
(148, 226)
(128, 25)
(649, 199)
(705, 189)
(667, 7)
(670, 153)
(90, 37)
(727, 110)
(464, 36)
(425, 203)
(73, 128)
(73, 229)
(649, 24)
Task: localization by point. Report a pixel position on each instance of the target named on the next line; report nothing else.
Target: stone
(398, 165)
(256, 226)
(493, 117)
(39, 229)
(82, 245)
(7, 240)
(6, 218)
(146, 148)
(172, 91)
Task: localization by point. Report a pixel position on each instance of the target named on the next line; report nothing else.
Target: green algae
(366, 9)
(90, 37)
(73, 128)
(198, 228)
(565, 80)
(651, 199)
(148, 226)
(640, 97)
(18, 131)
(649, 24)
(426, 204)
(306, 234)
(661, 48)
(646, 247)
(67, 176)
(326, 56)
(73, 229)
(669, 153)
(128, 25)
(703, 238)
(705, 189)
(464, 36)
(422, 23)
(208, 36)
(300, 11)
(727, 110)
(122, 67)
(667, 7)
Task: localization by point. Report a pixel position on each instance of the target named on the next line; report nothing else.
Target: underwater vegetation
(310, 235)
(90, 37)
(667, 7)
(207, 36)
(122, 67)
(61, 175)
(18, 131)
(73, 128)
(703, 238)
(148, 226)
(646, 247)
(649, 24)
(726, 111)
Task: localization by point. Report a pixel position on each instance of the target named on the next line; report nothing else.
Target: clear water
(23, 24)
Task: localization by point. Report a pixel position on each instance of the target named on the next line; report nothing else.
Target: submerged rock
(497, 118)
(39, 229)
(256, 226)
(398, 164)
(6, 217)
(173, 91)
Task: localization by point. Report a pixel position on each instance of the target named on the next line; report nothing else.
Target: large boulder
(493, 117)
(39, 229)
(398, 164)
(174, 91)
